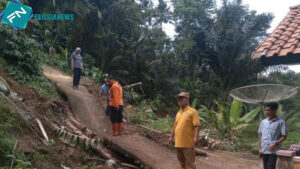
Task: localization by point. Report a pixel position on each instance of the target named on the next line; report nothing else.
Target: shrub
(96, 74)
(21, 52)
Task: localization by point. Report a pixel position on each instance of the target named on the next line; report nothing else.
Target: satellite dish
(263, 93)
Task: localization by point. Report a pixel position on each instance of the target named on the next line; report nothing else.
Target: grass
(163, 124)
(293, 138)
(293, 132)
(45, 88)
(143, 114)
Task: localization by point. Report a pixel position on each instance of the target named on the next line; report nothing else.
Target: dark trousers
(116, 116)
(269, 161)
(107, 109)
(76, 78)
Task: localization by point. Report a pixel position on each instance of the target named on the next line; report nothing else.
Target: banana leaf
(236, 111)
(251, 115)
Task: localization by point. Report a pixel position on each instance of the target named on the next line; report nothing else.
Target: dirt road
(86, 108)
(82, 103)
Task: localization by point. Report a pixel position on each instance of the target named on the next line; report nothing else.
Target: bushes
(96, 74)
(132, 97)
(143, 114)
(21, 52)
(23, 56)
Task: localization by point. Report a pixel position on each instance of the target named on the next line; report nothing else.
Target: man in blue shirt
(105, 91)
(272, 132)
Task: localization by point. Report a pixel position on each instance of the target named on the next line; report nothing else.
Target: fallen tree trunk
(82, 128)
(83, 142)
(198, 152)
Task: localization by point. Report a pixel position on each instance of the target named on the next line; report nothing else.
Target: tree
(236, 31)
(193, 21)
(215, 45)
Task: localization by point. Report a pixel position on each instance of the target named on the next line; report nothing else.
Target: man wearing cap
(186, 132)
(77, 67)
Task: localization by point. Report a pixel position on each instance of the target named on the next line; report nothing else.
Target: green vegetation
(205, 58)
(7, 141)
(20, 54)
(125, 38)
(228, 121)
(211, 46)
(248, 136)
(144, 115)
(293, 138)
(163, 124)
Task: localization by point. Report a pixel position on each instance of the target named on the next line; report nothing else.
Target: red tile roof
(284, 41)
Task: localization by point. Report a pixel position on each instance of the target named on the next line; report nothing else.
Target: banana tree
(228, 121)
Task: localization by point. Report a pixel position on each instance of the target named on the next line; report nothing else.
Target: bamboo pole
(129, 165)
(132, 85)
(42, 129)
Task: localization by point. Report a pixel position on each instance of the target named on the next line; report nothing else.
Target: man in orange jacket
(116, 106)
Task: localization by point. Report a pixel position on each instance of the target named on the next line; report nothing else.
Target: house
(282, 46)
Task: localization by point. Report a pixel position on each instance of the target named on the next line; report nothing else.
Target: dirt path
(82, 103)
(86, 108)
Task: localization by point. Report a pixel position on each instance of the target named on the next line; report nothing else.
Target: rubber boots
(120, 128)
(114, 129)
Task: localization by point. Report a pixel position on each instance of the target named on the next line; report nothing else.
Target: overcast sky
(279, 8)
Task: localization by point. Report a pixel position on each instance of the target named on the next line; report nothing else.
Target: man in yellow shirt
(186, 132)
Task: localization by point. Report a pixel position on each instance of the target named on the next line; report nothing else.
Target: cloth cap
(183, 94)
